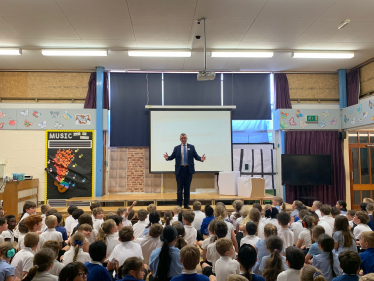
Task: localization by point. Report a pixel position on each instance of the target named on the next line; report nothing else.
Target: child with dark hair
(4, 233)
(295, 262)
(73, 271)
(335, 211)
(360, 219)
(141, 224)
(297, 206)
(165, 262)
(209, 217)
(181, 242)
(76, 215)
(327, 262)
(250, 238)
(191, 232)
(305, 236)
(151, 241)
(70, 221)
(154, 217)
(271, 215)
(274, 263)
(314, 248)
(12, 223)
(96, 270)
(262, 251)
(247, 257)
(132, 270)
(342, 206)
(363, 206)
(284, 232)
(168, 217)
(29, 208)
(350, 263)
(43, 261)
(350, 214)
(325, 212)
(342, 236)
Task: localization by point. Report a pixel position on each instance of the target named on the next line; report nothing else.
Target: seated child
(176, 211)
(314, 249)
(96, 271)
(325, 212)
(107, 234)
(369, 210)
(237, 277)
(126, 249)
(305, 236)
(191, 233)
(51, 233)
(154, 217)
(29, 208)
(151, 208)
(327, 262)
(209, 217)
(70, 221)
(23, 261)
(350, 215)
(367, 257)
(151, 241)
(168, 217)
(6, 253)
(190, 257)
(237, 204)
(262, 251)
(316, 208)
(92, 207)
(12, 223)
(44, 208)
(225, 265)
(360, 219)
(342, 206)
(274, 263)
(43, 261)
(279, 204)
(247, 257)
(350, 264)
(250, 238)
(211, 239)
(335, 212)
(55, 247)
(132, 270)
(141, 224)
(34, 224)
(311, 273)
(124, 214)
(75, 253)
(285, 233)
(4, 233)
(98, 214)
(295, 262)
(343, 237)
(86, 230)
(181, 242)
(60, 228)
(296, 207)
(199, 215)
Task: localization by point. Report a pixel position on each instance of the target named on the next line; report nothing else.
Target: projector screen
(209, 131)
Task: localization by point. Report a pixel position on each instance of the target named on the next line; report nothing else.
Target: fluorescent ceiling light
(241, 54)
(76, 52)
(344, 23)
(10, 52)
(160, 53)
(323, 55)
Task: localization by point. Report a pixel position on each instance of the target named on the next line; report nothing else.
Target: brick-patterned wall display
(129, 171)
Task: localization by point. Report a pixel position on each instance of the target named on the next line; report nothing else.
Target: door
(361, 166)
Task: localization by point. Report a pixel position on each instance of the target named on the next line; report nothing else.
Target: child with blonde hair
(43, 261)
(51, 233)
(107, 234)
(296, 207)
(191, 232)
(367, 257)
(220, 214)
(279, 204)
(262, 251)
(76, 252)
(225, 265)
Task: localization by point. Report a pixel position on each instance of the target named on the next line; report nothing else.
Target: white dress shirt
(212, 255)
(21, 242)
(69, 222)
(148, 244)
(97, 224)
(56, 268)
(289, 275)
(230, 228)
(22, 261)
(199, 216)
(111, 242)
(44, 276)
(52, 234)
(296, 228)
(125, 250)
(206, 242)
(306, 238)
(357, 231)
(287, 236)
(327, 227)
(225, 266)
(82, 257)
(44, 226)
(318, 212)
(249, 239)
(139, 228)
(190, 235)
(329, 220)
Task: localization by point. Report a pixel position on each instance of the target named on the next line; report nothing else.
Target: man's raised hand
(203, 158)
(166, 156)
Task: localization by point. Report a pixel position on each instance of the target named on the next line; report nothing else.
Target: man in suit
(184, 168)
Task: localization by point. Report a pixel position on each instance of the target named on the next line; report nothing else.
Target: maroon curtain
(90, 101)
(353, 86)
(318, 142)
(282, 92)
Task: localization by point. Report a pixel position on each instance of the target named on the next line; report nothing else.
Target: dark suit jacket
(191, 154)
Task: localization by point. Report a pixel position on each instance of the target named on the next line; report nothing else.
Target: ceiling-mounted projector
(206, 75)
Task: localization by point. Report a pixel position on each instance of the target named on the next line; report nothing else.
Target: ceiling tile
(31, 59)
(94, 8)
(199, 44)
(224, 30)
(332, 46)
(102, 43)
(265, 45)
(161, 63)
(166, 9)
(357, 10)
(323, 31)
(162, 29)
(294, 9)
(196, 62)
(47, 43)
(7, 31)
(26, 8)
(110, 28)
(76, 63)
(163, 44)
(270, 30)
(229, 9)
(118, 60)
(43, 27)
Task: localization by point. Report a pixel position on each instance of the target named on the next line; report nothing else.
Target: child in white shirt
(107, 234)
(126, 249)
(43, 261)
(297, 227)
(76, 252)
(4, 233)
(199, 215)
(44, 208)
(98, 214)
(325, 212)
(295, 262)
(29, 208)
(191, 232)
(225, 265)
(34, 224)
(284, 233)
(150, 208)
(55, 247)
(51, 233)
(141, 224)
(69, 221)
(23, 260)
(250, 231)
(360, 219)
(124, 213)
(211, 239)
(151, 241)
(92, 207)
(176, 211)
(305, 236)
(316, 208)
(350, 214)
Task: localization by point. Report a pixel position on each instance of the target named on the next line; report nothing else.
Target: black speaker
(342, 135)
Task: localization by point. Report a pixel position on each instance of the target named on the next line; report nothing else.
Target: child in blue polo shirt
(367, 257)
(96, 270)
(350, 263)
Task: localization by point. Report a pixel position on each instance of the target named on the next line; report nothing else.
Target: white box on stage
(227, 183)
(244, 186)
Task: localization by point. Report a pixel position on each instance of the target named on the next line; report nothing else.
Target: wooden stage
(156, 198)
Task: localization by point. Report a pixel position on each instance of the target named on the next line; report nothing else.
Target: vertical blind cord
(147, 88)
